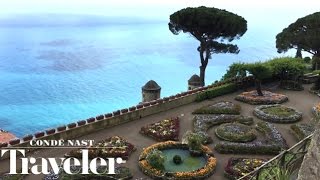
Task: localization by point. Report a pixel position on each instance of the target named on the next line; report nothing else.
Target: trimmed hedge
(257, 147)
(216, 91)
(277, 113)
(235, 132)
(201, 123)
(301, 131)
(272, 145)
(223, 107)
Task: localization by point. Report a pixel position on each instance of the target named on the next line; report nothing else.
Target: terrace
(302, 101)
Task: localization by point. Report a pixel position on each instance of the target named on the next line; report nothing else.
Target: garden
(114, 146)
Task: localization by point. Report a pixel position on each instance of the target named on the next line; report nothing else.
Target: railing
(283, 166)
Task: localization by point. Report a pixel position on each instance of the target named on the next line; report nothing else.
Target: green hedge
(302, 130)
(209, 109)
(216, 91)
(273, 143)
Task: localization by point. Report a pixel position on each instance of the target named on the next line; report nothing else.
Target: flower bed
(302, 130)
(273, 143)
(114, 146)
(201, 123)
(277, 113)
(238, 167)
(268, 97)
(223, 107)
(164, 130)
(235, 132)
(202, 173)
(122, 173)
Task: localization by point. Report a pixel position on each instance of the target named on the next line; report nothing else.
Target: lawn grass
(279, 111)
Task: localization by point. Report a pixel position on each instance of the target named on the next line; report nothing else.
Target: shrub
(177, 159)
(156, 159)
(201, 123)
(235, 132)
(277, 113)
(315, 63)
(285, 66)
(307, 60)
(223, 107)
(302, 130)
(216, 91)
(235, 70)
(194, 141)
(315, 72)
(273, 144)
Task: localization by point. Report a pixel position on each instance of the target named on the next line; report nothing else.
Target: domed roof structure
(151, 86)
(194, 79)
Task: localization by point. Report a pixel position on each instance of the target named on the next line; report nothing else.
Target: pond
(188, 164)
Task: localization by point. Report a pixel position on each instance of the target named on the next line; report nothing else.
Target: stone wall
(310, 167)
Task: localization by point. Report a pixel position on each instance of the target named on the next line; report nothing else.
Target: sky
(275, 13)
(148, 7)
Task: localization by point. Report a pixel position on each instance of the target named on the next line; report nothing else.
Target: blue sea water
(54, 75)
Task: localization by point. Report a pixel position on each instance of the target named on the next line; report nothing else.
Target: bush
(286, 66)
(315, 63)
(201, 123)
(315, 72)
(302, 130)
(156, 159)
(273, 144)
(216, 91)
(307, 60)
(194, 141)
(257, 147)
(223, 107)
(177, 159)
(235, 70)
(235, 132)
(277, 113)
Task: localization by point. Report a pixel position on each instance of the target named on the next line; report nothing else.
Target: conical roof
(194, 79)
(151, 85)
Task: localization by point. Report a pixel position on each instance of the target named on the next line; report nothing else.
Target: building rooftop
(194, 78)
(151, 85)
(6, 136)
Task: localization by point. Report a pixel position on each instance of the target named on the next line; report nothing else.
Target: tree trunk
(258, 87)
(202, 75)
(317, 57)
(298, 54)
(204, 57)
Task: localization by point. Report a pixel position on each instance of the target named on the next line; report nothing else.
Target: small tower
(150, 91)
(194, 82)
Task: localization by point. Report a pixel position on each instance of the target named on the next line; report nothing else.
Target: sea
(58, 68)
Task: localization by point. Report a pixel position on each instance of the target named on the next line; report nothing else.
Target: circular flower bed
(238, 167)
(235, 132)
(201, 173)
(277, 113)
(268, 97)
